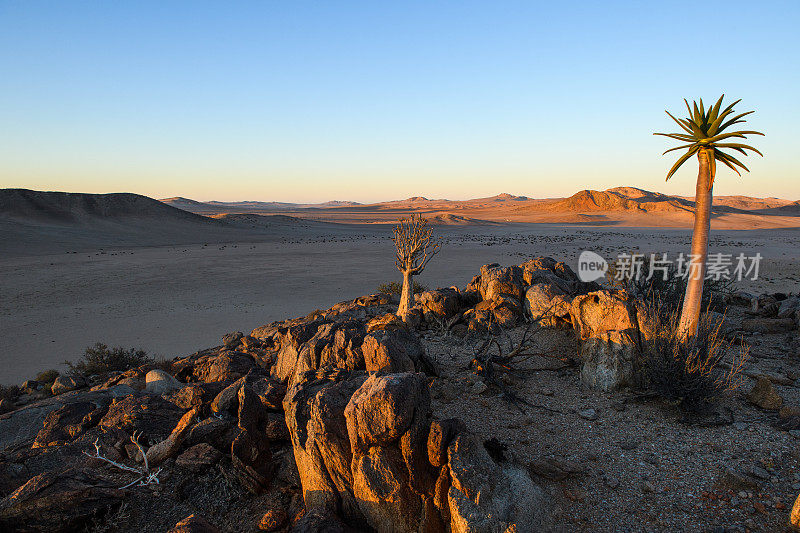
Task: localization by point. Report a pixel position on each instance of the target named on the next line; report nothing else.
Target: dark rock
(57, 502)
(227, 366)
(151, 415)
(199, 457)
(442, 432)
(231, 340)
(764, 396)
(66, 423)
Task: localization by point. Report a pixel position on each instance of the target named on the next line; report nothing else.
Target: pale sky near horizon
(368, 101)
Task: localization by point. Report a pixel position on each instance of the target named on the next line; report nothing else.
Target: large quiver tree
(415, 247)
(705, 133)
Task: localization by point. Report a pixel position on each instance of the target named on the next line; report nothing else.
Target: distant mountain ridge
(616, 199)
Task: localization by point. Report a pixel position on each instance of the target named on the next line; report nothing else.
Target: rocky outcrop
(607, 324)
(484, 496)
(368, 451)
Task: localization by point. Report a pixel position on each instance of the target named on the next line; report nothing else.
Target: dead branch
(146, 477)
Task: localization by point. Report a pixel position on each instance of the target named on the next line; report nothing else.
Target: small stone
(741, 426)
(618, 406)
(629, 444)
(760, 473)
(273, 520)
(795, 433)
(479, 387)
(611, 482)
(764, 396)
(742, 494)
(648, 487)
(588, 414)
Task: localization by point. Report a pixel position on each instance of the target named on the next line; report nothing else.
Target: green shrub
(48, 376)
(100, 359)
(395, 288)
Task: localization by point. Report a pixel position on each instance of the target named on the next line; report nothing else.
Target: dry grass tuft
(696, 372)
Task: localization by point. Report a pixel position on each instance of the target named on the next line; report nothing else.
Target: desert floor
(174, 300)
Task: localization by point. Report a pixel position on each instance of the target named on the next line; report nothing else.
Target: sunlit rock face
(607, 324)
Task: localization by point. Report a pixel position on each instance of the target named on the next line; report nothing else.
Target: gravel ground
(640, 465)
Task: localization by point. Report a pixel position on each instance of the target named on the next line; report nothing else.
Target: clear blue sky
(312, 101)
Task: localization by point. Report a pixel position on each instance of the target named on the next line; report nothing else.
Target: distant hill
(619, 199)
(63, 207)
(37, 222)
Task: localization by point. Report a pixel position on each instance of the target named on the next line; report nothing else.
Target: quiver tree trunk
(406, 295)
(690, 314)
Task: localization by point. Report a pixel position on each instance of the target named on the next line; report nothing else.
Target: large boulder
(439, 304)
(227, 366)
(161, 382)
(64, 384)
(483, 496)
(551, 272)
(314, 409)
(397, 350)
(152, 416)
(607, 324)
(499, 283)
(335, 344)
(313, 343)
(549, 303)
(388, 424)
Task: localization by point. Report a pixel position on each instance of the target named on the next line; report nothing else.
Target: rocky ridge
(330, 422)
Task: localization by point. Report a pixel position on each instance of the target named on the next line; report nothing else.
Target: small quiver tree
(412, 237)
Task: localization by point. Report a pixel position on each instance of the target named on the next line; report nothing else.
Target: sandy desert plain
(173, 276)
(76, 273)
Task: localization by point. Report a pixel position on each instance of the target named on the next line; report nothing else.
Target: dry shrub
(670, 289)
(695, 372)
(100, 360)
